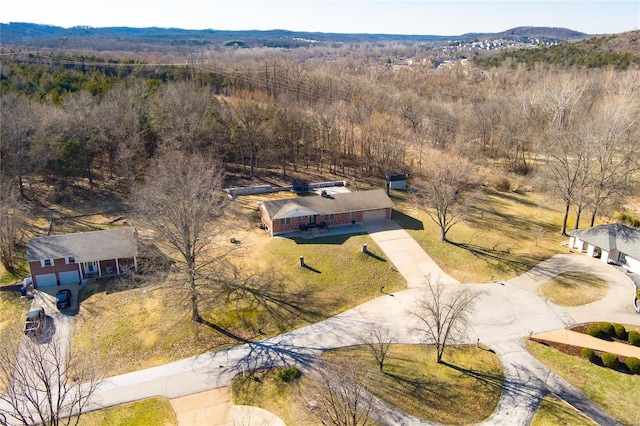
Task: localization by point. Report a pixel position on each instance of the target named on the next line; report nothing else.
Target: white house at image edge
(613, 243)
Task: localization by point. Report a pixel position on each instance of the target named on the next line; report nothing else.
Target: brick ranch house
(613, 243)
(72, 258)
(303, 212)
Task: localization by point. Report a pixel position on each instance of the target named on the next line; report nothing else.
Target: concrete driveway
(506, 313)
(406, 254)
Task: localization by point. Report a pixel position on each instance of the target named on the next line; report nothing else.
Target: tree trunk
(593, 217)
(443, 234)
(563, 231)
(578, 212)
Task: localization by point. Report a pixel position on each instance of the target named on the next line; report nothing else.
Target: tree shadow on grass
(519, 263)
(421, 388)
(487, 380)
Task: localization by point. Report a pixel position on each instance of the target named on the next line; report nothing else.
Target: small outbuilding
(613, 243)
(397, 181)
(72, 258)
(340, 209)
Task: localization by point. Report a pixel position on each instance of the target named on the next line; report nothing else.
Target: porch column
(99, 269)
(135, 264)
(81, 268)
(117, 267)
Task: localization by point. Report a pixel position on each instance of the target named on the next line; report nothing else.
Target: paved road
(506, 313)
(515, 311)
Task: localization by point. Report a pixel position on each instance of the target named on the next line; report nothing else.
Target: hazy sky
(345, 16)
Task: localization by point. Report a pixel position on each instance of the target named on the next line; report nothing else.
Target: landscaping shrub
(594, 330)
(606, 328)
(620, 331)
(288, 374)
(634, 338)
(588, 353)
(610, 360)
(633, 364)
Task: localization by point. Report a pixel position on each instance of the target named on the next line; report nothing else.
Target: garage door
(45, 280)
(69, 277)
(374, 215)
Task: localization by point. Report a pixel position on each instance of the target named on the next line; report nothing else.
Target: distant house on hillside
(71, 258)
(613, 243)
(301, 213)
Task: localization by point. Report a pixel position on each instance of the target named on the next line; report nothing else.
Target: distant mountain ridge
(19, 33)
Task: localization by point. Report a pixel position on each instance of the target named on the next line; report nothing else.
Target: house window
(352, 215)
(286, 221)
(47, 262)
(71, 259)
(329, 217)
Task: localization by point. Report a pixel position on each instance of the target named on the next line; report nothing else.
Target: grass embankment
(463, 390)
(142, 327)
(13, 310)
(616, 392)
(505, 234)
(574, 288)
(553, 411)
(148, 412)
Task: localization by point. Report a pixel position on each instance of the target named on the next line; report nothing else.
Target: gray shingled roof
(85, 246)
(614, 236)
(337, 203)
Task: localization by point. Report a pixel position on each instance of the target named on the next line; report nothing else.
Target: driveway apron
(409, 258)
(506, 313)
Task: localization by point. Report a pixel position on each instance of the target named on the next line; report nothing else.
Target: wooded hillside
(73, 121)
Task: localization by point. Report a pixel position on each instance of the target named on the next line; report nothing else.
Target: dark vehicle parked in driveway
(35, 322)
(63, 299)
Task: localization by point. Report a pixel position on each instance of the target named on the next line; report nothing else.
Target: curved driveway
(506, 313)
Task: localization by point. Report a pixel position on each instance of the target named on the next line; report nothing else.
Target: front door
(312, 220)
(90, 268)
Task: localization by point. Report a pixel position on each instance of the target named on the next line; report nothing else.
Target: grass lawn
(574, 288)
(464, 390)
(147, 412)
(617, 393)
(143, 327)
(498, 238)
(13, 310)
(553, 412)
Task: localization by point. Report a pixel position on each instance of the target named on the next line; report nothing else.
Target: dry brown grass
(134, 328)
(574, 289)
(465, 390)
(554, 411)
(497, 239)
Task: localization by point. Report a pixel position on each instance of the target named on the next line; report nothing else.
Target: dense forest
(616, 51)
(75, 120)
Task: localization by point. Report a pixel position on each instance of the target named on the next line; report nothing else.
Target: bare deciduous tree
(338, 394)
(443, 191)
(443, 315)
(378, 339)
(180, 200)
(568, 164)
(43, 384)
(10, 227)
